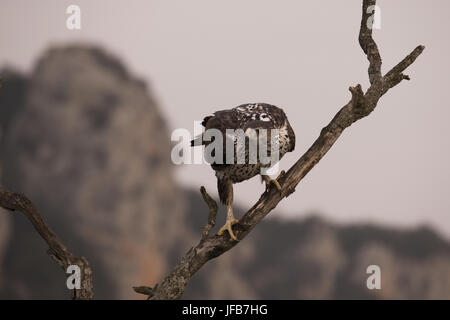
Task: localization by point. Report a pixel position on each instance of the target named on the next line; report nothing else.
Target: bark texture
(59, 253)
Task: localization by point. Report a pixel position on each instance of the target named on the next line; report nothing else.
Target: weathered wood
(18, 202)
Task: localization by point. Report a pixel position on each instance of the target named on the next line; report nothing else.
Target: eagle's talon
(276, 183)
(273, 182)
(228, 226)
(282, 173)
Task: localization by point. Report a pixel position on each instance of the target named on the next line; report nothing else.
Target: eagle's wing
(244, 117)
(223, 120)
(220, 120)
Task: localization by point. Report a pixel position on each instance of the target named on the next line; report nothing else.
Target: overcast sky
(203, 55)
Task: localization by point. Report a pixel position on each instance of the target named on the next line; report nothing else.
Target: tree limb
(212, 205)
(367, 43)
(360, 105)
(59, 253)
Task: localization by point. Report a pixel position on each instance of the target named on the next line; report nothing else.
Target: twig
(212, 205)
(145, 290)
(367, 43)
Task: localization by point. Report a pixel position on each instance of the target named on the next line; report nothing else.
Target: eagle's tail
(197, 141)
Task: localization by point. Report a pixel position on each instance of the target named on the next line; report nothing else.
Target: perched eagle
(248, 118)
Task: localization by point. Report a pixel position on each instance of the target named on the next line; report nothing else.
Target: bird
(250, 118)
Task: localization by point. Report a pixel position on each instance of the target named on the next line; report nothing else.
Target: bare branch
(406, 62)
(367, 43)
(144, 290)
(360, 105)
(212, 205)
(395, 75)
(19, 202)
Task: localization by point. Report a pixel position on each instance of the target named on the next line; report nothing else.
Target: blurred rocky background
(85, 140)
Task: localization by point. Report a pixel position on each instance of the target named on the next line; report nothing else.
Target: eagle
(252, 119)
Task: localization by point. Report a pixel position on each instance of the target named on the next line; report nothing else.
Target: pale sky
(203, 55)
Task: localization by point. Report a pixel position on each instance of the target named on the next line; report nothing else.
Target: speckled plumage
(247, 116)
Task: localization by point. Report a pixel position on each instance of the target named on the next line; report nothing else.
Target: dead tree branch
(63, 257)
(360, 105)
(212, 205)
